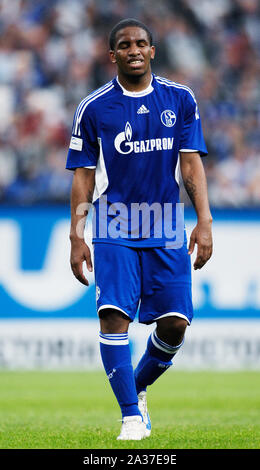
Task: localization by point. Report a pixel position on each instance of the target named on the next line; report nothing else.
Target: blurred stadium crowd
(54, 52)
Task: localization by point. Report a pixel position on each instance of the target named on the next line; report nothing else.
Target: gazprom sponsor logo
(124, 144)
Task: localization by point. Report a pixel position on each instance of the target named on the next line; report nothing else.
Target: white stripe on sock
(118, 340)
(163, 346)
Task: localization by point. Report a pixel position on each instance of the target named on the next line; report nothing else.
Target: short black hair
(124, 24)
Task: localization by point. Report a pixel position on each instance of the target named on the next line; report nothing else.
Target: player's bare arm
(195, 182)
(81, 198)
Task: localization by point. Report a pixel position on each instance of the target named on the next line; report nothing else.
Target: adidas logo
(163, 366)
(143, 110)
(111, 374)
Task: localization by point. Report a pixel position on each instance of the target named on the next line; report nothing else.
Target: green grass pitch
(77, 410)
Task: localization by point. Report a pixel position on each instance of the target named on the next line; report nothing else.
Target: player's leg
(171, 330)
(118, 292)
(116, 357)
(162, 346)
(166, 300)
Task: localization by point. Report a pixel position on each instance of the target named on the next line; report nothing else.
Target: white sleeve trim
(188, 150)
(90, 167)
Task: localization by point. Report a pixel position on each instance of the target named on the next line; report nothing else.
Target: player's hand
(80, 253)
(202, 236)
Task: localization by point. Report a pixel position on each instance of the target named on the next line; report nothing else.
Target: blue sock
(155, 361)
(116, 357)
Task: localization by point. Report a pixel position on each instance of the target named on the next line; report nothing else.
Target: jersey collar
(135, 94)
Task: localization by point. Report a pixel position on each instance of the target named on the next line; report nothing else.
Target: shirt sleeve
(192, 134)
(83, 149)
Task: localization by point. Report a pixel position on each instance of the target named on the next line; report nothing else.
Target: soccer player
(127, 139)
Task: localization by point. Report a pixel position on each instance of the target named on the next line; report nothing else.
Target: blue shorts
(155, 280)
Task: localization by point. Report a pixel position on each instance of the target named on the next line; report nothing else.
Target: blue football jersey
(133, 139)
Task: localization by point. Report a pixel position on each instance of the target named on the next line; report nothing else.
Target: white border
(112, 306)
(173, 314)
(137, 94)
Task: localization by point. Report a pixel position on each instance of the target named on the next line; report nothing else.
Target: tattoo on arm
(190, 188)
(89, 195)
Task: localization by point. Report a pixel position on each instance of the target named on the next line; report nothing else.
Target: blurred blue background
(36, 280)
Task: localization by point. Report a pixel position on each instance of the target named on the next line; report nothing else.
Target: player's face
(133, 52)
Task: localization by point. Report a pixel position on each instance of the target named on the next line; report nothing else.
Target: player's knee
(171, 330)
(113, 321)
